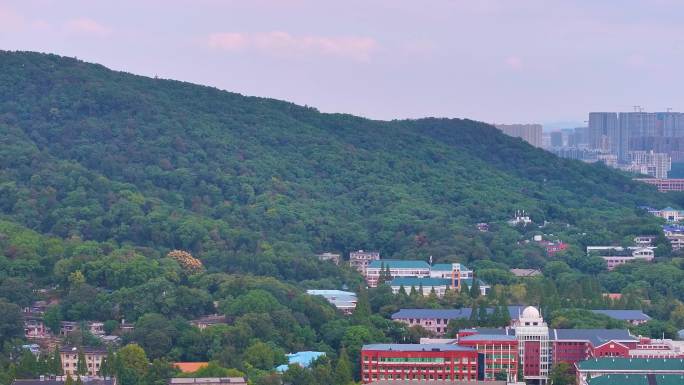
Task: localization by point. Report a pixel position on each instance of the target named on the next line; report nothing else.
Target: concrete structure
(603, 131)
(208, 381)
(500, 353)
(618, 255)
(342, 300)
(210, 320)
(93, 359)
(664, 185)
(534, 349)
(655, 164)
(523, 273)
(398, 268)
(360, 259)
(34, 327)
(598, 367)
(531, 133)
(415, 362)
(303, 359)
(668, 213)
(449, 270)
(439, 285)
(332, 257)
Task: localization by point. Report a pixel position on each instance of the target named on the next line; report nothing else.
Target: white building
(359, 260)
(534, 349)
(398, 268)
(617, 255)
(449, 270)
(655, 164)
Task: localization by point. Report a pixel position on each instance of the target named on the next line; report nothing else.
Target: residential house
(359, 260)
(93, 359)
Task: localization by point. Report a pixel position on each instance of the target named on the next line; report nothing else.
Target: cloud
(86, 26)
(10, 20)
(282, 43)
(514, 62)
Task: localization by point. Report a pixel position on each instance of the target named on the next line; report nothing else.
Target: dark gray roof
(624, 315)
(416, 347)
(595, 336)
(513, 311)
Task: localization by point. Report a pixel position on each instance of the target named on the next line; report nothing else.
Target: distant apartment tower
(531, 133)
(360, 260)
(556, 139)
(602, 125)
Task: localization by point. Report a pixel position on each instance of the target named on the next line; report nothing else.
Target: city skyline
(482, 60)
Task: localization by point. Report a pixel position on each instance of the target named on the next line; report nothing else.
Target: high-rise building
(556, 139)
(655, 164)
(531, 133)
(602, 125)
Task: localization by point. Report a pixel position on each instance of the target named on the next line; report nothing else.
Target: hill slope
(108, 156)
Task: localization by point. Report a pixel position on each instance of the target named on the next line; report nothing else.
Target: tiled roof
(416, 347)
(624, 315)
(632, 364)
(513, 311)
(426, 282)
(399, 264)
(595, 336)
(189, 367)
(637, 379)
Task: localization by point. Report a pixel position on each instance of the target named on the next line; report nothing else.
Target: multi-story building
(634, 367)
(668, 213)
(93, 359)
(359, 260)
(416, 362)
(437, 320)
(655, 164)
(423, 286)
(531, 133)
(500, 353)
(664, 185)
(397, 268)
(618, 255)
(633, 317)
(602, 130)
(449, 270)
(534, 348)
(34, 327)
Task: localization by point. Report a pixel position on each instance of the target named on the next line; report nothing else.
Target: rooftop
(448, 267)
(84, 349)
(303, 359)
(596, 336)
(416, 347)
(488, 337)
(398, 264)
(624, 315)
(426, 282)
(513, 311)
(637, 379)
(190, 367)
(633, 364)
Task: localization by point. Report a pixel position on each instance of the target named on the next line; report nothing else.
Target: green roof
(632, 364)
(426, 282)
(446, 266)
(398, 264)
(637, 379)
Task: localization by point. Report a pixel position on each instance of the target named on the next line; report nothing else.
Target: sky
(498, 61)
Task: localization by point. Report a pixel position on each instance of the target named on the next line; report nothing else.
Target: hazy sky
(491, 60)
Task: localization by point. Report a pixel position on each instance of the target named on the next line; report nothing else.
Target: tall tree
(343, 369)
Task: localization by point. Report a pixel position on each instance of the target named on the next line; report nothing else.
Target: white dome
(530, 312)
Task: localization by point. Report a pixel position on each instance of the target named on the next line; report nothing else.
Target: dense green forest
(102, 173)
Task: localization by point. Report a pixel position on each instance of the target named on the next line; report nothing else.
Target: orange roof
(189, 367)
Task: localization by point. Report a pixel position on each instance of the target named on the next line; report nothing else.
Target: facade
(415, 362)
(359, 260)
(93, 359)
(34, 327)
(531, 133)
(602, 126)
(208, 381)
(448, 270)
(210, 320)
(656, 164)
(600, 367)
(500, 354)
(332, 257)
(664, 185)
(345, 301)
(534, 348)
(397, 268)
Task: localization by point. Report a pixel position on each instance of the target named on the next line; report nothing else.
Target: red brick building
(500, 353)
(420, 362)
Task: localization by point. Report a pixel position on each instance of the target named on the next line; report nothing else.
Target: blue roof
(398, 264)
(624, 315)
(426, 282)
(595, 336)
(417, 347)
(303, 359)
(462, 313)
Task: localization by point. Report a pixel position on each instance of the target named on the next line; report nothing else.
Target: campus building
(437, 320)
(500, 354)
(416, 362)
(534, 348)
(359, 260)
(93, 359)
(397, 268)
(604, 367)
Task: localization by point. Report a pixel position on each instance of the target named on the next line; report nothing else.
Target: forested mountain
(253, 184)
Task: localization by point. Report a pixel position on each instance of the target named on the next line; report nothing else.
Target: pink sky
(491, 60)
